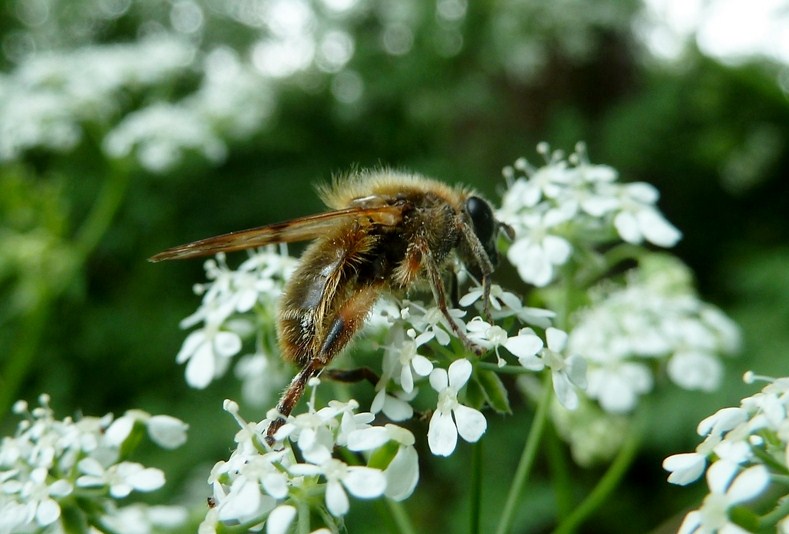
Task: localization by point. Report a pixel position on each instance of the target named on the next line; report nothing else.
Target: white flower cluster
(415, 325)
(45, 101)
(51, 463)
(237, 303)
(747, 447)
(232, 101)
(259, 485)
(411, 327)
(566, 203)
(654, 318)
(48, 99)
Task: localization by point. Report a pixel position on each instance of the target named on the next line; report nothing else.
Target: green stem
(22, 353)
(611, 259)
(102, 212)
(476, 488)
(561, 477)
(527, 458)
(780, 479)
(607, 483)
(88, 236)
(303, 526)
(400, 517)
(504, 369)
(768, 522)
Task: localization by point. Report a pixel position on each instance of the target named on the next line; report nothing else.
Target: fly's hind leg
(290, 397)
(354, 375)
(339, 328)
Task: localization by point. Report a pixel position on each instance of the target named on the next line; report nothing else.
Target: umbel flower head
(260, 485)
(655, 317)
(232, 303)
(52, 463)
(558, 207)
(744, 447)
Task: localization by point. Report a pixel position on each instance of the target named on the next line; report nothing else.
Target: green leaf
(493, 391)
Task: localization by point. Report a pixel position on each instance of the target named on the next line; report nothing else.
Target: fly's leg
(340, 327)
(439, 293)
(483, 262)
(354, 375)
(290, 397)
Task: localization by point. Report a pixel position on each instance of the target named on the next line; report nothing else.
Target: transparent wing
(301, 229)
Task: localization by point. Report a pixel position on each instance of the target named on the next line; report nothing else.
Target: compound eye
(482, 218)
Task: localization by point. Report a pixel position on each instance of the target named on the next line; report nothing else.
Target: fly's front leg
(483, 263)
(439, 293)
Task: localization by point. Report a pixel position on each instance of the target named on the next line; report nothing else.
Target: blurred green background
(111, 152)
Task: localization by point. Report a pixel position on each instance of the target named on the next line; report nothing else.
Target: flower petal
(438, 379)
(693, 369)
(442, 435)
(471, 424)
(406, 379)
(524, 344)
(557, 249)
(402, 474)
(336, 499)
(167, 431)
(47, 512)
(749, 484)
(459, 373)
(227, 343)
(147, 479)
(190, 345)
(421, 365)
(279, 519)
(685, 468)
(557, 339)
(627, 227)
(719, 476)
(201, 367)
(565, 392)
(691, 523)
(657, 229)
(367, 439)
(364, 482)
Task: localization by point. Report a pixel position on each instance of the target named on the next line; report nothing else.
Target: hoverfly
(386, 231)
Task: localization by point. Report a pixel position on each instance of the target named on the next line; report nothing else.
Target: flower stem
(303, 510)
(102, 212)
(769, 521)
(607, 483)
(87, 238)
(504, 369)
(561, 477)
(400, 517)
(476, 488)
(22, 354)
(527, 458)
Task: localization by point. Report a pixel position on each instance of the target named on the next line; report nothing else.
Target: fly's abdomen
(306, 298)
(313, 306)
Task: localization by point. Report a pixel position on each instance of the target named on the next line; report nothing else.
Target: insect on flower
(386, 232)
